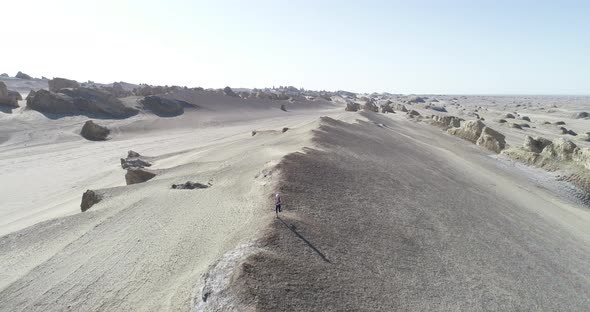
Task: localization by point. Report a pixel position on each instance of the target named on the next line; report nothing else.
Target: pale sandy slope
(146, 246)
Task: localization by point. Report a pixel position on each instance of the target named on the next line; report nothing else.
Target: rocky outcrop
(535, 145)
(134, 163)
(446, 122)
(94, 132)
(57, 84)
(370, 106)
(162, 106)
(352, 107)
(413, 114)
(132, 154)
(386, 108)
(138, 175)
(470, 131)
(229, 92)
(21, 75)
(90, 102)
(415, 99)
(89, 199)
(7, 97)
(189, 186)
(582, 115)
(492, 140)
(400, 107)
(560, 149)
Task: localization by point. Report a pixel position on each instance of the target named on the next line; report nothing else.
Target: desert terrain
(126, 197)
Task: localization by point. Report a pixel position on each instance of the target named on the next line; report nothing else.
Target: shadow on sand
(292, 228)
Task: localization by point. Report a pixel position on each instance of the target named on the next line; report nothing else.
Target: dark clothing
(278, 208)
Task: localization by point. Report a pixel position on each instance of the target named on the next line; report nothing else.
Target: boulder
(132, 154)
(48, 102)
(524, 125)
(163, 106)
(560, 148)
(501, 121)
(470, 131)
(285, 130)
(582, 115)
(413, 114)
(370, 106)
(515, 126)
(89, 198)
(446, 121)
(30, 95)
(138, 175)
(7, 97)
(491, 140)
(94, 132)
(414, 99)
(536, 144)
(189, 186)
(559, 123)
(21, 75)
(509, 116)
(283, 108)
(352, 107)
(386, 108)
(134, 163)
(15, 94)
(98, 102)
(229, 92)
(57, 84)
(525, 118)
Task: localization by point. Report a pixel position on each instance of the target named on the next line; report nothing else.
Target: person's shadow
(292, 228)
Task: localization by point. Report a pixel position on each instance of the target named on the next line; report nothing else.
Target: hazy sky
(526, 47)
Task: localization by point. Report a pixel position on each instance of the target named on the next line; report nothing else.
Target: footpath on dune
(386, 217)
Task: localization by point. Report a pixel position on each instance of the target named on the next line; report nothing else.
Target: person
(278, 203)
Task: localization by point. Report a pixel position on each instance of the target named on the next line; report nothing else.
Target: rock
(163, 106)
(470, 131)
(138, 175)
(582, 115)
(30, 95)
(491, 140)
(189, 186)
(400, 107)
(524, 125)
(536, 144)
(413, 114)
(4, 75)
(89, 199)
(582, 157)
(446, 121)
(94, 132)
(285, 130)
(509, 116)
(283, 108)
(414, 99)
(560, 148)
(48, 102)
(7, 97)
(352, 107)
(134, 163)
(386, 108)
(132, 154)
(515, 126)
(546, 123)
(21, 75)
(559, 123)
(253, 132)
(229, 92)
(439, 109)
(57, 84)
(98, 102)
(370, 106)
(525, 118)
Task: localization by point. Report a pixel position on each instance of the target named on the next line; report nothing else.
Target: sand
(383, 212)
